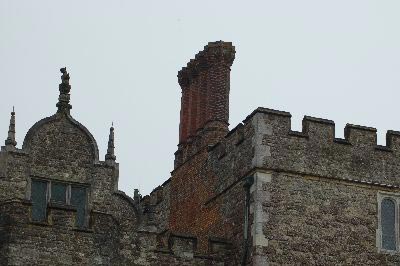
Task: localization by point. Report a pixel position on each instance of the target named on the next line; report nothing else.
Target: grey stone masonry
(260, 194)
(315, 198)
(87, 220)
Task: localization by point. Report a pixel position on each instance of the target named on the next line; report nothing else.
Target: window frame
(67, 193)
(45, 220)
(67, 204)
(395, 197)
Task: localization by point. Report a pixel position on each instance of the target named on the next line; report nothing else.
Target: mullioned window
(44, 192)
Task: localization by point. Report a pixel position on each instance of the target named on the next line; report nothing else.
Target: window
(78, 200)
(388, 218)
(39, 200)
(388, 210)
(58, 193)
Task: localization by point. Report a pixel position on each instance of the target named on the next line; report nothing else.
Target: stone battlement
(324, 130)
(314, 151)
(314, 128)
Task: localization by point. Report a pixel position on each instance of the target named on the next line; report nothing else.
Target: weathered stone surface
(260, 194)
(116, 229)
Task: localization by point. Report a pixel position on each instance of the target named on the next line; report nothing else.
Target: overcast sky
(338, 60)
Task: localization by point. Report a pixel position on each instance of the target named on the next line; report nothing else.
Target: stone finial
(110, 156)
(136, 195)
(10, 141)
(64, 88)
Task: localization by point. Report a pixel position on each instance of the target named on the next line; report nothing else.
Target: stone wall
(314, 199)
(57, 242)
(60, 149)
(355, 165)
(260, 194)
(14, 181)
(316, 151)
(320, 221)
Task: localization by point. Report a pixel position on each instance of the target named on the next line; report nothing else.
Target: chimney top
(205, 84)
(218, 52)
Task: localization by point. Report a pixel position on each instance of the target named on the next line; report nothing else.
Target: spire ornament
(64, 88)
(10, 141)
(110, 156)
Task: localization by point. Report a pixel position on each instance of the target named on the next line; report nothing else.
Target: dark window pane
(388, 224)
(78, 200)
(38, 197)
(58, 192)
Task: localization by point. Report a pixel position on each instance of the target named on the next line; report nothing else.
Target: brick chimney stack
(205, 83)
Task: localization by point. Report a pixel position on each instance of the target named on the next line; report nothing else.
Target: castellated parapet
(307, 179)
(314, 150)
(259, 194)
(280, 195)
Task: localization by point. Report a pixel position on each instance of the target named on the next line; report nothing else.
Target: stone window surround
(50, 203)
(395, 197)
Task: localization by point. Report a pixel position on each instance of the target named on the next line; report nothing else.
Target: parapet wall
(316, 151)
(265, 140)
(213, 180)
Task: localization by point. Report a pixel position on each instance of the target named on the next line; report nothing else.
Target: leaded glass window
(39, 200)
(78, 200)
(43, 191)
(58, 193)
(388, 220)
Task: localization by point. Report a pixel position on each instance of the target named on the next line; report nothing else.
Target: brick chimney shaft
(205, 83)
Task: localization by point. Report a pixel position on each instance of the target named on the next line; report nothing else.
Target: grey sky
(338, 60)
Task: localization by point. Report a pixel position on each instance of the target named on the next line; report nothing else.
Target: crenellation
(258, 194)
(383, 148)
(360, 135)
(299, 134)
(318, 128)
(266, 111)
(229, 143)
(240, 136)
(393, 140)
(341, 141)
(323, 129)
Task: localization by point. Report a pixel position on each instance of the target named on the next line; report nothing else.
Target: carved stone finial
(10, 141)
(64, 88)
(110, 156)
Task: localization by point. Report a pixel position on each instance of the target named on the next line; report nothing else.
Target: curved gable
(61, 145)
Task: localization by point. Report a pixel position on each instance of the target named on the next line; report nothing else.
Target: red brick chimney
(205, 83)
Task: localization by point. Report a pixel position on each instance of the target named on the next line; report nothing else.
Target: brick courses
(259, 194)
